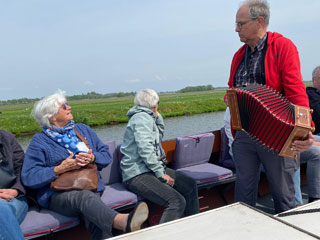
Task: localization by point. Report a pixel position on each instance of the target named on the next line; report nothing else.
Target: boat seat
(115, 194)
(43, 222)
(192, 157)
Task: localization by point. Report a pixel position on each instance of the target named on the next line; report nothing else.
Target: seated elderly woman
(56, 150)
(143, 163)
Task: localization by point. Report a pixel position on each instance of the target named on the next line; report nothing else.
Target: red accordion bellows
(268, 117)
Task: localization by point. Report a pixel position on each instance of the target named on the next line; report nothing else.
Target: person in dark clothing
(13, 203)
(312, 154)
(314, 98)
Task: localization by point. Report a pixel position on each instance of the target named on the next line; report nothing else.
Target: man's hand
(302, 145)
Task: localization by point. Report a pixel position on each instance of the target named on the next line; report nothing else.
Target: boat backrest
(112, 174)
(193, 150)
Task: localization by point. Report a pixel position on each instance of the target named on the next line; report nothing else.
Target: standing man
(271, 59)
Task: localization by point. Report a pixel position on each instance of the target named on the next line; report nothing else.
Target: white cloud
(88, 83)
(160, 77)
(136, 80)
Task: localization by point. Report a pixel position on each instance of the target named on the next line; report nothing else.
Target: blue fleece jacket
(43, 154)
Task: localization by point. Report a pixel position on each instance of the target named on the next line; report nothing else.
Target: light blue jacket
(141, 146)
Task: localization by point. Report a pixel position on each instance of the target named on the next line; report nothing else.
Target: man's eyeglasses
(241, 24)
(64, 106)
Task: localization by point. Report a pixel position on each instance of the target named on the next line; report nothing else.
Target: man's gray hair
(315, 71)
(146, 98)
(258, 8)
(48, 107)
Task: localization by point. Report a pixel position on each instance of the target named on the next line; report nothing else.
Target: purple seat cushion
(112, 174)
(41, 223)
(193, 150)
(116, 195)
(206, 172)
(225, 158)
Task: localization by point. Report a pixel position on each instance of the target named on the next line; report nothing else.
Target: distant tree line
(196, 88)
(94, 95)
(89, 95)
(18, 101)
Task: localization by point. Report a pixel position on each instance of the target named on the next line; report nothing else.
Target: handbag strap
(83, 139)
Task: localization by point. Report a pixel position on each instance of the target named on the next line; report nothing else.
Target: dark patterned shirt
(252, 73)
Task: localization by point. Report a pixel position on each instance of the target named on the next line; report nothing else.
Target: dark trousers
(97, 216)
(248, 156)
(179, 199)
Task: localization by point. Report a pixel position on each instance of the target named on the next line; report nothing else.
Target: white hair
(48, 107)
(146, 98)
(315, 72)
(258, 8)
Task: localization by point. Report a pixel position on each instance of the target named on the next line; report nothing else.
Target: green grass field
(108, 111)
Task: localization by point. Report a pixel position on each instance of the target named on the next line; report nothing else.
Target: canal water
(174, 127)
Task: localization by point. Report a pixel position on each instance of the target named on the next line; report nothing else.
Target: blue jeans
(97, 216)
(12, 214)
(312, 157)
(179, 199)
(297, 187)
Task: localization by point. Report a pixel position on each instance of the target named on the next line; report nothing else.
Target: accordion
(268, 117)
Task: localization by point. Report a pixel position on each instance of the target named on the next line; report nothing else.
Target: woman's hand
(8, 194)
(155, 109)
(66, 165)
(170, 180)
(83, 159)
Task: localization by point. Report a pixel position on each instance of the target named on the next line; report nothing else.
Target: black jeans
(181, 198)
(97, 216)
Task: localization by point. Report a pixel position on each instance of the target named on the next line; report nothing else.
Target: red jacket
(282, 68)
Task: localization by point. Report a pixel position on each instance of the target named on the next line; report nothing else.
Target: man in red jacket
(271, 59)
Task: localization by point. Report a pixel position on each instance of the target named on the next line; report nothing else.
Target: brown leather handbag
(85, 178)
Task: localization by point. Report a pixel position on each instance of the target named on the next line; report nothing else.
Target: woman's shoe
(137, 216)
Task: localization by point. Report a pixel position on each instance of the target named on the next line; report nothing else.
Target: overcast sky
(126, 45)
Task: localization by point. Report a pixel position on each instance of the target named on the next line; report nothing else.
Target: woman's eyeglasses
(64, 106)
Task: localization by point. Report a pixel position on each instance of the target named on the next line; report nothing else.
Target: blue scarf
(65, 136)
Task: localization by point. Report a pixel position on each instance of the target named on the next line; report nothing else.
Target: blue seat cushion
(116, 195)
(112, 173)
(41, 223)
(193, 150)
(206, 173)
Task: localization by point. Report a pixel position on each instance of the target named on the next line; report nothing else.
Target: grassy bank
(95, 112)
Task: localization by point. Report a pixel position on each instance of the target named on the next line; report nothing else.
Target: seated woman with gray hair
(58, 149)
(143, 164)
